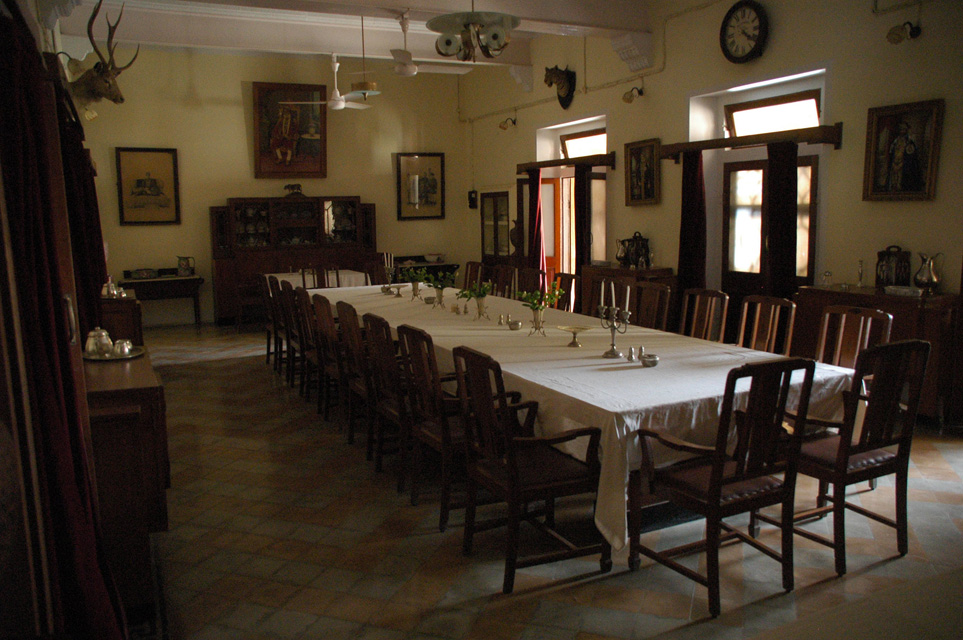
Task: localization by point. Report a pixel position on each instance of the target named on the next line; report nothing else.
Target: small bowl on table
(429, 299)
(649, 359)
(515, 325)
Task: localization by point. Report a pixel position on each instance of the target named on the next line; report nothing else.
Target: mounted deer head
(100, 81)
(564, 82)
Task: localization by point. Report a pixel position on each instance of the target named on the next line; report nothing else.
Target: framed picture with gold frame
(420, 182)
(643, 177)
(903, 151)
(290, 131)
(147, 189)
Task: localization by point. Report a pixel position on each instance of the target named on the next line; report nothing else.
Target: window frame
(787, 98)
(564, 138)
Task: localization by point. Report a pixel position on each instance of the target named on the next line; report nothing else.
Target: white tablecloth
(348, 278)
(578, 387)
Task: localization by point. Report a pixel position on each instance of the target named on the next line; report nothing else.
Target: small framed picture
(420, 183)
(643, 178)
(147, 190)
(903, 151)
(290, 131)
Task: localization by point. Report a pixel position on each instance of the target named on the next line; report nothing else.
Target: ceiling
(320, 27)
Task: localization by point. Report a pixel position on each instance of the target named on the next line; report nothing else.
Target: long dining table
(577, 387)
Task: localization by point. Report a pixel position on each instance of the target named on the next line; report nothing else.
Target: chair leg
(788, 577)
(511, 545)
(445, 505)
(822, 494)
(902, 536)
(267, 348)
(839, 527)
(369, 454)
(404, 443)
(635, 518)
(471, 491)
(417, 458)
(713, 533)
(605, 562)
(550, 512)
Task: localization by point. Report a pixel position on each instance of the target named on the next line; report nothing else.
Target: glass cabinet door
(342, 221)
(495, 224)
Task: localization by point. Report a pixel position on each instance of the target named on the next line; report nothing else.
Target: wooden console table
(166, 288)
(128, 431)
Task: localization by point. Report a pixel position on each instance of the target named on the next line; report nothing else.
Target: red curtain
(536, 231)
(83, 602)
(692, 232)
(779, 194)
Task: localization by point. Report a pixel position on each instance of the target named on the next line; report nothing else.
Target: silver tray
(135, 352)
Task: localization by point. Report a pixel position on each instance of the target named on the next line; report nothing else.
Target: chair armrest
(559, 438)
(677, 443)
(528, 427)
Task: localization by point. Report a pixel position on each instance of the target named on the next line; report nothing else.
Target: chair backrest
(753, 437)
(704, 314)
(531, 279)
(321, 276)
(886, 390)
(265, 290)
(473, 274)
(489, 423)
(274, 288)
(593, 288)
(425, 395)
(845, 331)
(768, 319)
(307, 324)
(383, 361)
(327, 336)
(286, 304)
(567, 282)
(650, 306)
(504, 281)
(376, 272)
(352, 342)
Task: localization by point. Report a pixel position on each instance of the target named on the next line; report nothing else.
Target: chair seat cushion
(823, 452)
(542, 468)
(694, 481)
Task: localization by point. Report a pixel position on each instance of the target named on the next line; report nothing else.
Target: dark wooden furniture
(592, 273)
(723, 481)
(650, 304)
(392, 416)
(769, 321)
(927, 318)
(331, 376)
(509, 462)
(567, 282)
(474, 273)
(253, 236)
(502, 238)
(896, 370)
(121, 318)
(128, 431)
(704, 314)
(167, 288)
(845, 331)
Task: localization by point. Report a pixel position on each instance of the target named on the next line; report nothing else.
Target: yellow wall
(200, 103)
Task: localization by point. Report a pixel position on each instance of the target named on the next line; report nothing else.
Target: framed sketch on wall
(420, 182)
(290, 131)
(147, 189)
(903, 151)
(643, 178)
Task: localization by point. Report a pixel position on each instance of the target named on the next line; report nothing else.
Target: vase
(480, 307)
(926, 278)
(538, 322)
(415, 285)
(439, 297)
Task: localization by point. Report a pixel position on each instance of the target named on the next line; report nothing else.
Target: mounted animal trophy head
(100, 81)
(564, 81)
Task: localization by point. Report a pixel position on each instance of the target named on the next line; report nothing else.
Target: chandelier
(463, 33)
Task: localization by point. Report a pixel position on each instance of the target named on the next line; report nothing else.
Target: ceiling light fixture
(364, 88)
(903, 31)
(508, 122)
(461, 33)
(635, 92)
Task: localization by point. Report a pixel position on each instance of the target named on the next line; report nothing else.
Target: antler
(111, 28)
(90, 32)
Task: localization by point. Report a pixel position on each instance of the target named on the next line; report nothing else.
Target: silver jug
(99, 342)
(926, 277)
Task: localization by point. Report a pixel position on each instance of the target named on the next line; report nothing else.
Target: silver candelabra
(615, 320)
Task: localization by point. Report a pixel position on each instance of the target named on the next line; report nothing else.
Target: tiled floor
(279, 529)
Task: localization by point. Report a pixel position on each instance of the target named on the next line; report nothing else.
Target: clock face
(744, 31)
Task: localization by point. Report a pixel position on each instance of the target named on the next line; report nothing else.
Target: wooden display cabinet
(253, 236)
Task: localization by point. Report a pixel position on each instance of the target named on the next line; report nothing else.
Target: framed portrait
(903, 151)
(290, 131)
(643, 177)
(147, 189)
(421, 185)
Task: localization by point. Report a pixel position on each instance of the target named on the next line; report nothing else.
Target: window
(779, 113)
(583, 143)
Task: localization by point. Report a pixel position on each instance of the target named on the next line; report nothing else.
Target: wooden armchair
(474, 272)
(724, 480)
(769, 322)
(845, 331)
(279, 331)
(507, 460)
(567, 282)
(357, 371)
(650, 305)
(704, 314)
(331, 375)
(530, 279)
(392, 424)
(504, 281)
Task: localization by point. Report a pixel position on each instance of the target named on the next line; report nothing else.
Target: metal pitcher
(185, 266)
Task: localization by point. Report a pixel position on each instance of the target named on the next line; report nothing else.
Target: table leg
(635, 517)
(197, 308)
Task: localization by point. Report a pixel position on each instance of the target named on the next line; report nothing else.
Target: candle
(612, 286)
(602, 294)
(627, 289)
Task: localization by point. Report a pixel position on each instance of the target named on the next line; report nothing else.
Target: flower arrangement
(538, 300)
(475, 290)
(440, 280)
(410, 274)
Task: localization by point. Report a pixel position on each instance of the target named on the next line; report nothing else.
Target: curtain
(536, 231)
(692, 232)
(83, 603)
(779, 194)
(583, 217)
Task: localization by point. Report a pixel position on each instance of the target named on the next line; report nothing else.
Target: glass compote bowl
(575, 331)
(398, 288)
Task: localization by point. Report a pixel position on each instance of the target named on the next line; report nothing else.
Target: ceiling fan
(405, 65)
(337, 102)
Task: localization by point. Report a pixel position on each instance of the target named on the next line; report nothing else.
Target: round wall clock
(744, 31)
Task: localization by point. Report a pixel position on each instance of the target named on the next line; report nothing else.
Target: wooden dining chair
(270, 322)
(308, 330)
(331, 377)
(474, 272)
(766, 324)
(509, 462)
(530, 279)
(504, 280)
(357, 371)
(874, 441)
(321, 276)
(567, 282)
(704, 314)
(845, 331)
(292, 334)
(436, 417)
(593, 288)
(650, 304)
(375, 272)
(280, 331)
(752, 465)
(392, 423)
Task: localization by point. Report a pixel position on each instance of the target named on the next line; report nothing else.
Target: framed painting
(420, 184)
(903, 151)
(147, 189)
(290, 131)
(643, 178)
